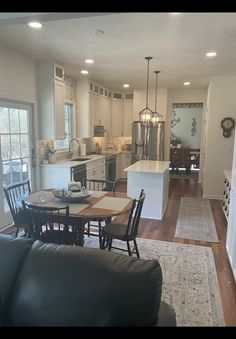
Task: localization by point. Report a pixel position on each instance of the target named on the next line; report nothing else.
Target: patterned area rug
(190, 282)
(195, 220)
(182, 175)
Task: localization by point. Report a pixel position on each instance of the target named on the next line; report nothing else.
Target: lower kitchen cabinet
(96, 169)
(55, 176)
(59, 175)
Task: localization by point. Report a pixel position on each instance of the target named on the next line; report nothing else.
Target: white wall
(139, 102)
(219, 150)
(18, 76)
(18, 81)
(185, 96)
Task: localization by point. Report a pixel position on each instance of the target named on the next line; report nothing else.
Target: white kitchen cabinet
(122, 118)
(96, 169)
(106, 118)
(127, 118)
(97, 110)
(117, 108)
(51, 94)
(125, 161)
(85, 109)
(92, 108)
(55, 176)
(102, 112)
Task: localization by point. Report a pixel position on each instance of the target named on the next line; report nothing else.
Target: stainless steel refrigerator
(147, 141)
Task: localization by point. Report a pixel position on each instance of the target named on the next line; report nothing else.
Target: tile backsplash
(111, 143)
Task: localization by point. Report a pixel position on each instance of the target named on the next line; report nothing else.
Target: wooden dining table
(99, 205)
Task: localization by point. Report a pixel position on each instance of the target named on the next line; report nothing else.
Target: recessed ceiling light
(89, 61)
(84, 72)
(175, 13)
(126, 85)
(187, 83)
(35, 24)
(211, 54)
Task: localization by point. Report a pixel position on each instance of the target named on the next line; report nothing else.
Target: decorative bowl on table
(71, 196)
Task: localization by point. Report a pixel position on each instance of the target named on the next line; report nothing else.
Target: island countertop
(148, 166)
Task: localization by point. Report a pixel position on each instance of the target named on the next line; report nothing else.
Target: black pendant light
(155, 116)
(145, 114)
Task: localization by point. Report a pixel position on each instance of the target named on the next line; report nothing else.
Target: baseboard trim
(218, 197)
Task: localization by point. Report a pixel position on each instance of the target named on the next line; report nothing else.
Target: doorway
(16, 150)
(185, 140)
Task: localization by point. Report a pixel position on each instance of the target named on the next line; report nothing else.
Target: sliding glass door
(16, 134)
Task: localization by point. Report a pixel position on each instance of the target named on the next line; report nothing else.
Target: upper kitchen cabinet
(85, 109)
(94, 108)
(117, 108)
(127, 114)
(51, 94)
(122, 114)
(102, 112)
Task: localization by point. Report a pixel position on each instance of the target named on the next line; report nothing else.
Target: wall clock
(227, 124)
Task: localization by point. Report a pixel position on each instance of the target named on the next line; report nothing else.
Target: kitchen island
(153, 177)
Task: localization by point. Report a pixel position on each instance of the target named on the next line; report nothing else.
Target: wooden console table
(180, 157)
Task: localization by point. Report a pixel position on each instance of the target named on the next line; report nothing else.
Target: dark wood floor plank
(165, 230)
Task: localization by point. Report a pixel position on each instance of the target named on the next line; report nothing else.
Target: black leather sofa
(60, 285)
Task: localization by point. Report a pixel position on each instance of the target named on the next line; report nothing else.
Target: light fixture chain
(148, 59)
(147, 83)
(157, 72)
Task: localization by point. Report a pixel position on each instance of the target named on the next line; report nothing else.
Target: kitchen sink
(80, 159)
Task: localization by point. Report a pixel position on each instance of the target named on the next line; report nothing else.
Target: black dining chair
(13, 195)
(50, 224)
(98, 185)
(125, 232)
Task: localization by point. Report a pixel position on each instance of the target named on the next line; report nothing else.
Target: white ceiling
(177, 43)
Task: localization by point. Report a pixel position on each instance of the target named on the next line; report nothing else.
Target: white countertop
(148, 166)
(71, 163)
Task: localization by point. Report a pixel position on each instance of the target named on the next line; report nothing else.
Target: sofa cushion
(61, 285)
(12, 252)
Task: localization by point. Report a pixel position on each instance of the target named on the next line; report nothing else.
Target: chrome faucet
(71, 151)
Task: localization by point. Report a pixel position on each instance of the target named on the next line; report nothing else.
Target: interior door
(16, 152)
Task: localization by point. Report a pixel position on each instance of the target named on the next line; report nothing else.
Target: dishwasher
(111, 167)
(78, 173)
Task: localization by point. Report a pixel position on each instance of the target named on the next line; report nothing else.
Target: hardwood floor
(165, 230)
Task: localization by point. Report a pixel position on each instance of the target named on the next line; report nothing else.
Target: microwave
(99, 131)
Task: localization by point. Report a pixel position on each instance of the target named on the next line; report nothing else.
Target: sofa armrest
(12, 254)
(166, 316)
